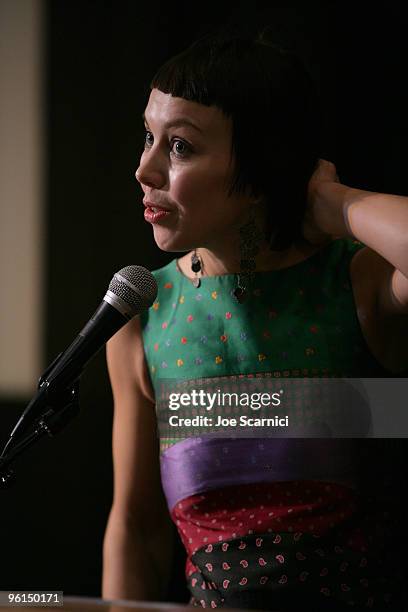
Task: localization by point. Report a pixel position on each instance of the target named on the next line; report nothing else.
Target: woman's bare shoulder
(127, 362)
(382, 334)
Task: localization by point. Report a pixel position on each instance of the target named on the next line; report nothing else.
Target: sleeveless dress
(270, 523)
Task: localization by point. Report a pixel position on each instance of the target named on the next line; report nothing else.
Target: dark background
(99, 59)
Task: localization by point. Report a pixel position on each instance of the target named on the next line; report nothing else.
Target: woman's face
(186, 168)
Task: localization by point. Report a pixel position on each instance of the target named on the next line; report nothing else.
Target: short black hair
(273, 103)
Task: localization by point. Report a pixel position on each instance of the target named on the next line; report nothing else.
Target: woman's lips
(153, 214)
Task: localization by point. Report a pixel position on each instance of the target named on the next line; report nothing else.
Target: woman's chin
(170, 243)
(173, 246)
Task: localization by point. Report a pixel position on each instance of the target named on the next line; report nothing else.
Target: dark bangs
(207, 72)
(272, 102)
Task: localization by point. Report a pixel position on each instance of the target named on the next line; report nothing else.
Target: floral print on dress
(284, 311)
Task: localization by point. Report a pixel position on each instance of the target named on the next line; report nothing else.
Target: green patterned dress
(261, 531)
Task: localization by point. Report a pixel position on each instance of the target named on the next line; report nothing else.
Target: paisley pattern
(295, 534)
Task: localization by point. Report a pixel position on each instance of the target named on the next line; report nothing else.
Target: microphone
(131, 291)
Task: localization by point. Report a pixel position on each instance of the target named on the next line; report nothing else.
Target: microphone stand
(62, 408)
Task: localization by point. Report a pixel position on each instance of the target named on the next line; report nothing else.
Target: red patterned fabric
(308, 506)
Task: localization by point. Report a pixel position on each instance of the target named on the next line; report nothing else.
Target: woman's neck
(222, 261)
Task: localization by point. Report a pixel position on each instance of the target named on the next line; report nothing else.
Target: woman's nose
(150, 173)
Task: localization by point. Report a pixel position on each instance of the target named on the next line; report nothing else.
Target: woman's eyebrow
(182, 121)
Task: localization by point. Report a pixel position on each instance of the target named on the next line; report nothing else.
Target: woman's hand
(325, 171)
(321, 223)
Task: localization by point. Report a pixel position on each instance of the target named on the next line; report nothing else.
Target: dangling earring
(196, 266)
(250, 238)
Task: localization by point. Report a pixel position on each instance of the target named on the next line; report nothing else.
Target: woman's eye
(180, 148)
(148, 140)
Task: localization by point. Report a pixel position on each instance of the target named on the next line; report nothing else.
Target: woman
(287, 273)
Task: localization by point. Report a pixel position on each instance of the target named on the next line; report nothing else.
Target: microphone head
(132, 289)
